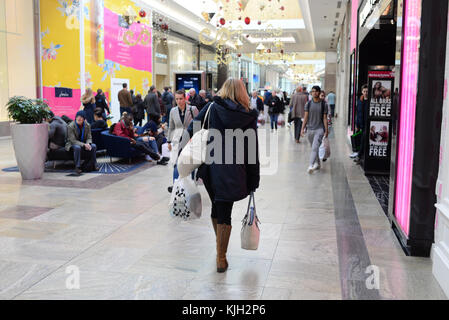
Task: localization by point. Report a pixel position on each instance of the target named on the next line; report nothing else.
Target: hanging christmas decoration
(247, 20)
(142, 13)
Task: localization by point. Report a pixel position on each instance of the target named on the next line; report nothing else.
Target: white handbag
(193, 155)
(250, 232)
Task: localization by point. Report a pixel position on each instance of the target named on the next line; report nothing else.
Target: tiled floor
(319, 234)
(381, 189)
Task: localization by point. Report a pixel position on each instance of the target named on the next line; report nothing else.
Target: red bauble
(142, 13)
(222, 21)
(259, 22)
(247, 20)
(239, 55)
(282, 8)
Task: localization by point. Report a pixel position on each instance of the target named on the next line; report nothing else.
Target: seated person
(155, 129)
(124, 128)
(79, 141)
(57, 134)
(99, 121)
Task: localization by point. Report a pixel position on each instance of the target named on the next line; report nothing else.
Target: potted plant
(29, 134)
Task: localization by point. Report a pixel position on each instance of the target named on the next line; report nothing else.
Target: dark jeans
(145, 148)
(89, 110)
(166, 118)
(298, 125)
(332, 106)
(91, 157)
(274, 120)
(125, 109)
(221, 210)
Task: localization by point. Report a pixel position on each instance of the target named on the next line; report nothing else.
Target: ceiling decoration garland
(228, 39)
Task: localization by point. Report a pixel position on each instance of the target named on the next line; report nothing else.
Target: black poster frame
(374, 164)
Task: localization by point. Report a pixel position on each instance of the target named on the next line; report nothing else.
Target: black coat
(275, 105)
(138, 109)
(230, 181)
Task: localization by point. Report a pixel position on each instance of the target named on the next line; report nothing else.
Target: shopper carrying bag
(250, 232)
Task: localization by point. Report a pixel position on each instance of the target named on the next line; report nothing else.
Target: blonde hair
(235, 90)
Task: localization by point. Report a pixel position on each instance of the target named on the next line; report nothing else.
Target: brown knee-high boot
(223, 234)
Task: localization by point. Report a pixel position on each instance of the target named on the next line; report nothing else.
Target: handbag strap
(208, 120)
(256, 218)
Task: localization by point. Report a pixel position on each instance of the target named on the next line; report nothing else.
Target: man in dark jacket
(275, 107)
(168, 100)
(195, 99)
(79, 141)
(57, 133)
(152, 103)
(361, 118)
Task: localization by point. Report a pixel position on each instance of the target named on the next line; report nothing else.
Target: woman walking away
(138, 110)
(180, 118)
(88, 101)
(229, 180)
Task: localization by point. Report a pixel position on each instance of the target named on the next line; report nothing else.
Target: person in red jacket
(124, 128)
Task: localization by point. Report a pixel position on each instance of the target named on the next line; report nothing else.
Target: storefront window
(183, 55)
(412, 20)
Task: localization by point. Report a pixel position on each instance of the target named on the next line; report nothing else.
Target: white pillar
(251, 76)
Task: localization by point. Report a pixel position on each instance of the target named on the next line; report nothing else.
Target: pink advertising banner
(127, 45)
(68, 103)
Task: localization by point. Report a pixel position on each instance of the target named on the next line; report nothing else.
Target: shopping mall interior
(348, 196)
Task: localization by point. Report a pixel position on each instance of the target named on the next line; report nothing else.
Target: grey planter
(30, 143)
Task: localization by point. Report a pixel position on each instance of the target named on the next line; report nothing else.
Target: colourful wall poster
(127, 45)
(60, 34)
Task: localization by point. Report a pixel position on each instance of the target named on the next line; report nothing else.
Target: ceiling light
(282, 39)
(260, 47)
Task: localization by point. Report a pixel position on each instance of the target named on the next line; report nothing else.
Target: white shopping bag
(165, 151)
(185, 201)
(281, 120)
(325, 149)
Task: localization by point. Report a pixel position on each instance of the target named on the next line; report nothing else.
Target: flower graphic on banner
(71, 9)
(88, 79)
(50, 53)
(146, 85)
(109, 67)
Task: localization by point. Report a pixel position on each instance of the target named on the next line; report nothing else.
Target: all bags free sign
(378, 126)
